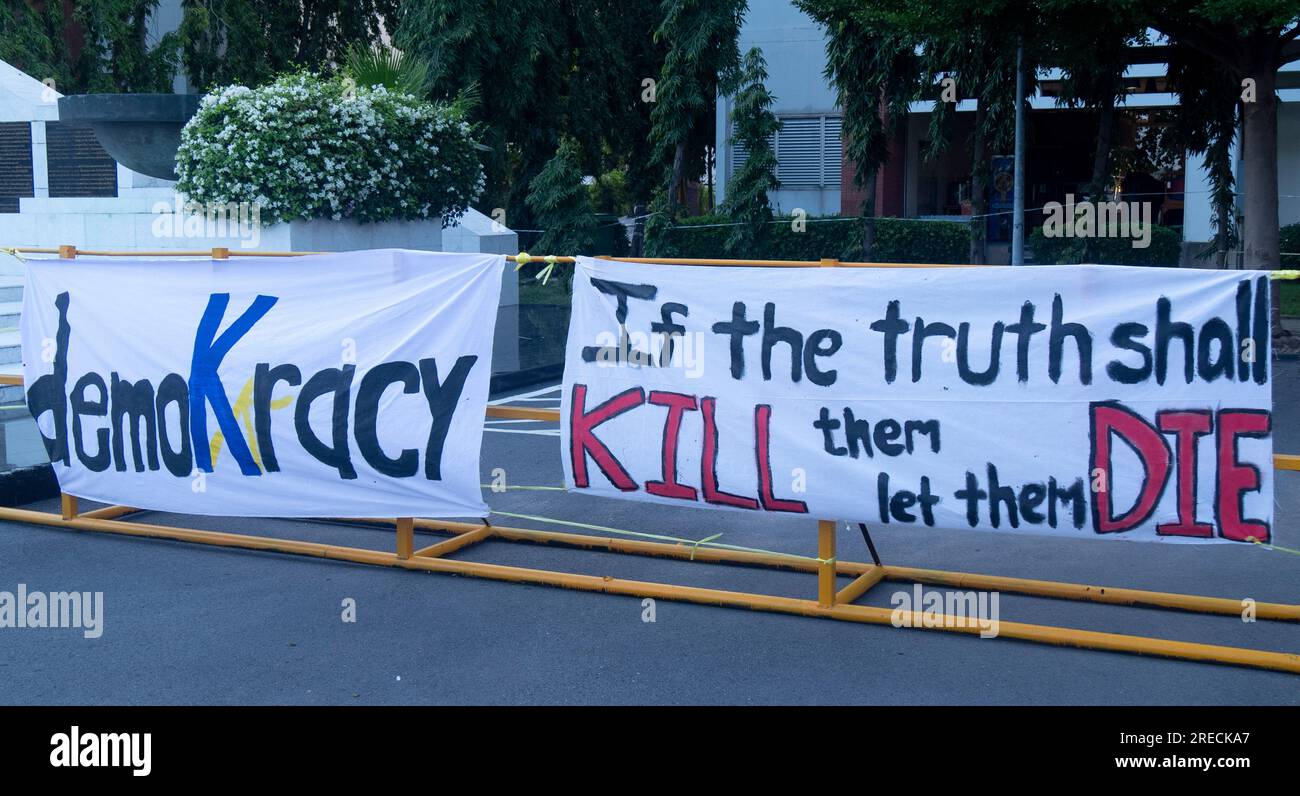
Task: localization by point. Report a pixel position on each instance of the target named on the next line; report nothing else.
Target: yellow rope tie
(545, 274)
(524, 258)
(695, 544)
(1267, 546)
(705, 540)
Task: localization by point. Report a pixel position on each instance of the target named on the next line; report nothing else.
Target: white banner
(1081, 401)
(330, 385)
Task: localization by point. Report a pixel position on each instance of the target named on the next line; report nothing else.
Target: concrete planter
(139, 131)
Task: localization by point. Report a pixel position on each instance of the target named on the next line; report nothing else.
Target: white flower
(300, 153)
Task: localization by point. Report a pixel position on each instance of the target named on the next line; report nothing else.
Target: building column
(890, 182)
(40, 166)
(891, 179)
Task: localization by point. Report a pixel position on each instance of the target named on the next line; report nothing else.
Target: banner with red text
(1082, 401)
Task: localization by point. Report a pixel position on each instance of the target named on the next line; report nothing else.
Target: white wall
(1198, 210)
(1288, 163)
(795, 49)
(1198, 223)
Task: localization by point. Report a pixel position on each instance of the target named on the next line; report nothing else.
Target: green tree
(873, 65)
(702, 61)
(753, 126)
(1252, 40)
(31, 39)
(980, 65)
(117, 54)
(546, 70)
(561, 203)
(614, 59)
(1091, 41)
(251, 41)
(515, 50)
(1245, 40)
(975, 45)
(1205, 123)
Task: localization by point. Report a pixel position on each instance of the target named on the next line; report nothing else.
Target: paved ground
(185, 624)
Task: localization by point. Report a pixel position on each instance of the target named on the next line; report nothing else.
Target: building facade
(816, 177)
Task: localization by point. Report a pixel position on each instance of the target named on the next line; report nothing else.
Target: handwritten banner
(1082, 401)
(328, 385)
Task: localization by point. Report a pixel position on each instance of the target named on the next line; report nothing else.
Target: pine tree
(753, 126)
(703, 59)
(561, 203)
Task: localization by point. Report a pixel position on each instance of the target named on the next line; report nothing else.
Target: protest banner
(1082, 401)
(349, 384)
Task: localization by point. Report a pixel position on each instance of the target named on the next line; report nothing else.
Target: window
(808, 151)
(15, 164)
(78, 165)
(832, 149)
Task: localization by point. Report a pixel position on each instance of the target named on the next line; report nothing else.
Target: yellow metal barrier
(830, 602)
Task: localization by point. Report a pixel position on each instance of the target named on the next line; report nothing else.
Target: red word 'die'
(1164, 465)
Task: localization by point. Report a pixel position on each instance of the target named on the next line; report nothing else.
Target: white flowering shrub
(307, 146)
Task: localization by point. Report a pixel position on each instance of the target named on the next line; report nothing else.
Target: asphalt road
(196, 625)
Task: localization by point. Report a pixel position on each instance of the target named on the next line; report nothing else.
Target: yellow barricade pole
(830, 603)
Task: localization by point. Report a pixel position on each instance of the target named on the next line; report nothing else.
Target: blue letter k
(206, 387)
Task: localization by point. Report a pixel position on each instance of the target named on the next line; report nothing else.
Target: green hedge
(898, 240)
(1165, 249)
(901, 240)
(1289, 295)
(1289, 237)
(1289, 291)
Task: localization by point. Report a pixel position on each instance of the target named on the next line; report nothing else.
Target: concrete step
(10, 311)
(128, 200)
(10, 347)
(11, 393)
(11, 288)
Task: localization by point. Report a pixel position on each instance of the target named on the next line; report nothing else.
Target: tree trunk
(1101, 155)
(710, 163)
(1221, 239)
(1100, 170)
(638, 230)
(676, 196)
(1220, 165)
(978, 203)
(869, 220)
(1260, 245)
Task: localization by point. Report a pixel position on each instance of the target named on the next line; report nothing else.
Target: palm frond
(390, 68)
